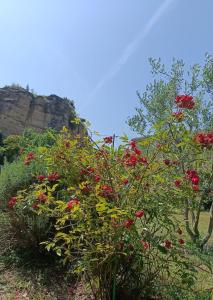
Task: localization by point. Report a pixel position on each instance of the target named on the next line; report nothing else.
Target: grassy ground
(203, 223)
(21, 279)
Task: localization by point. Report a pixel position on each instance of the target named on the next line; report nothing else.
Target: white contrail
(130, 49)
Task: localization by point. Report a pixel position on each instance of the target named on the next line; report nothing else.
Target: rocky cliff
(20, 109)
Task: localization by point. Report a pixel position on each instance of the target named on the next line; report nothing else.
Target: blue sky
(96, 51)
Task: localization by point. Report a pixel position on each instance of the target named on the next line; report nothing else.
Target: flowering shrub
(111, 214)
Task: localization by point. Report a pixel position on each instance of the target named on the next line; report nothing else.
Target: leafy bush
(111, 215)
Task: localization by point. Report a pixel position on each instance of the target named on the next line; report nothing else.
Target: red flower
(145, 244)
(177, 182)
(195, 188)
(179, 231)
(31, 155)
(167, 162)
(204, 139)
(108, 139)
(195, 180)
(184, 101)
(137, 151)
(125, 181)
(143, 160)
(106, 191)
(167, 244)
(41, 178)
(181, 241)
(42, 197)
(139, 213)
(131, 161)
(97, 178)
(90, 170)
(35, 206)
(128, 223)
(12, 202)
(53, 176)
(132, 144)
(72, 203)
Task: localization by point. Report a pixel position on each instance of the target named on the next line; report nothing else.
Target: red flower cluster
(42, 197)
(145, 244)
(192, 175)
(131, 160)
(53, 176)
(177, 182)
(134, 147)
(87, 171)
(35, 206)
(167, 244)
(128, 223)
(181, 241)
(41, 178)
(108, 139)
(125, 181)
(204, 139)
(106, 191)
(30, 156)
(12, 202)
(178, 115)
(167, 162)
(72, 202)
(184, 101)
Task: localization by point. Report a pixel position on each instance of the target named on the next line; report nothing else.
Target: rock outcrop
(21, 109)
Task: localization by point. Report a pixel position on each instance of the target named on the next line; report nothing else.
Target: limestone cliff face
(20, 109)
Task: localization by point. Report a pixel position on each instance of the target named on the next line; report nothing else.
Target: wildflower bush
(108, 213)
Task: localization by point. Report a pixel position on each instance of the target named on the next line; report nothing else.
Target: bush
(111, 217)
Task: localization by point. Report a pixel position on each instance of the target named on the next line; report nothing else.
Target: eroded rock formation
(20, 109)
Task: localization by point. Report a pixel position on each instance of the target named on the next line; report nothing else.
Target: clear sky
(96, 51)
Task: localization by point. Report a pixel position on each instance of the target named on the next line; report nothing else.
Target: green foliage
(15, 176)
(13, 145)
